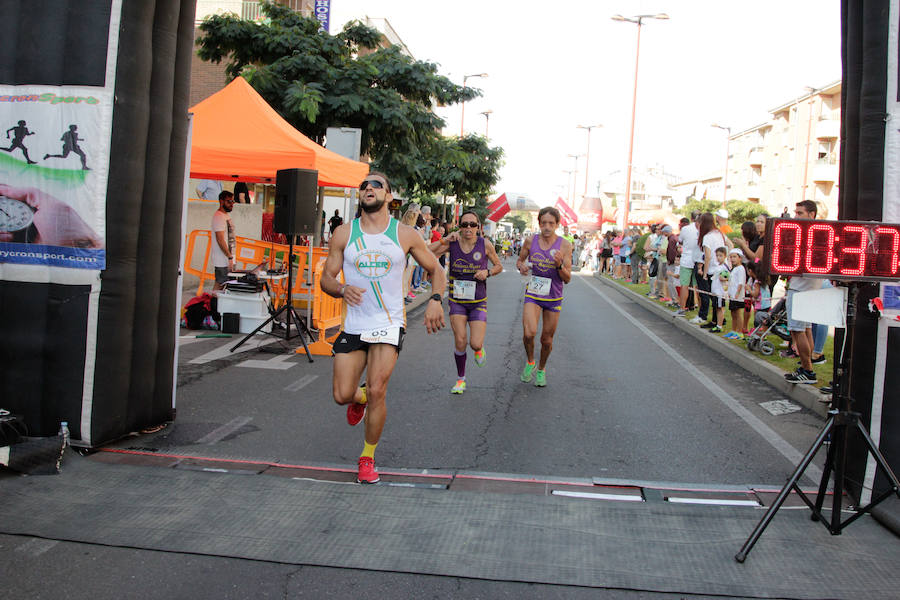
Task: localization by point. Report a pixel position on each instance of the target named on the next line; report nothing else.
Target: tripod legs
(291, 315)
(782, 496)
(838, 425)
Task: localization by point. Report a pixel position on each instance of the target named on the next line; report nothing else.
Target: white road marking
(36, 547)
(223, 351)
(276, 363)
(596, 496)
(780, 407)
(301, 383)
(714, 501)
(224, 431)
(793, 455)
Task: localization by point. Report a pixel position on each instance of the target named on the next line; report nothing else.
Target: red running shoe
(367, 471)
(356, 412)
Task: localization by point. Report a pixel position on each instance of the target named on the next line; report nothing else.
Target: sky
(554, 66)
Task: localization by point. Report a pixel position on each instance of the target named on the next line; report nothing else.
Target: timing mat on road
(659, 546)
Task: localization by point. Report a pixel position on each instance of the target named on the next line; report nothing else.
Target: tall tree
(316, 80)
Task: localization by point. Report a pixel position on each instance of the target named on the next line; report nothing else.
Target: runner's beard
(374, 207)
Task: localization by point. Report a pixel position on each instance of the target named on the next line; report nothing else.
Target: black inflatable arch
(52, 333)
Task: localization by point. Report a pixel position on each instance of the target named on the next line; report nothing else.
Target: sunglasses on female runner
(468, 224)
(376, 185)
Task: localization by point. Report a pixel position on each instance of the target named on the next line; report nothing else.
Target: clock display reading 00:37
(848, 250)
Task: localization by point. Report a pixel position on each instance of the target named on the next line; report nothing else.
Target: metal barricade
(327, 313)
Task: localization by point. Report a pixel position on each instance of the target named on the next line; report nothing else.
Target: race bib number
(463, 290)
(539, 286)
(385, 335)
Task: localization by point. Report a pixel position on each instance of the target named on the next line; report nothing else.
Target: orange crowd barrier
(249, 253)
(327, 313)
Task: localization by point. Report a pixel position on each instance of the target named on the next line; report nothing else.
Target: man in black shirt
(334, 222)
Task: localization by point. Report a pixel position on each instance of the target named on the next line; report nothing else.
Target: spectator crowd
(708, 267)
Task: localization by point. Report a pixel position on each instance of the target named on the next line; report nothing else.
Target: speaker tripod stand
(841, 421)
(288, 310)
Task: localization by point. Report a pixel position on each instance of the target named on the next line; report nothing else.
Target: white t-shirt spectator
(737, 279)
(209, 189)
(688, 238)
(715, 271)
(805, 284)
(712, 240)
(221, 222)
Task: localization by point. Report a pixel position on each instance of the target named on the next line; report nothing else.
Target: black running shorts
(350, 342)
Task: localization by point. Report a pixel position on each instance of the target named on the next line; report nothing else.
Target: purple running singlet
(468, 296)
(544, 285)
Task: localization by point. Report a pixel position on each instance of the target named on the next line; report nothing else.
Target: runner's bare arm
(334, 263)
(564, 261)
(443, 245)
(412, 242)
(496, 267)
(522, 262)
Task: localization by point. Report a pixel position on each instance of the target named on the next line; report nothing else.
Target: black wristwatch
(437, 297)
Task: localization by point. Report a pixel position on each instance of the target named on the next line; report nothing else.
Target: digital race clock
(848, 250)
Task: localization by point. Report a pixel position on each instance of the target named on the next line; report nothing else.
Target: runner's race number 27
(848, 250)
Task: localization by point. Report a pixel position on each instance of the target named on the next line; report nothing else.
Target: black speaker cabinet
(296, 193)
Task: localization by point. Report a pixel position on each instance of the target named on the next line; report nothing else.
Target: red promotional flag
(569, 217)
(498, 208)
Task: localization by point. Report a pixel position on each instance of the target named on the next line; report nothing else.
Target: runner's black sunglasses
(376, 185)
(468, 224)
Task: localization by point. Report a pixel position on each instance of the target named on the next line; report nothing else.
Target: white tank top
(375, 262)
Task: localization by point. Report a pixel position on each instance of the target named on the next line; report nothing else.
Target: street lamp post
(812, 101)
(462, 119)
(571, 198)
(487, 120)
(637, 20)
(587, 159)
(727, 151)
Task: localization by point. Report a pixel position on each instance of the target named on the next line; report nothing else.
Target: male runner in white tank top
(371, 251)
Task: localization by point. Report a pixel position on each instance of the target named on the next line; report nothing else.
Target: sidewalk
(804, 395)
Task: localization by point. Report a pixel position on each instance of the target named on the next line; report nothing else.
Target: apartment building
(651, 188)
(792, 157)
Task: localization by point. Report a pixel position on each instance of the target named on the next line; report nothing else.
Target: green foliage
(519, 224)
(738, 210)
(639, 245)
(700, 205)
(316, 80)
(466, 168)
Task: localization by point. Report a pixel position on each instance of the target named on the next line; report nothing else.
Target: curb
(801, 394)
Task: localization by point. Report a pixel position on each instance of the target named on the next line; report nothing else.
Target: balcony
(828, 129)
(825, 170)
(756, 157)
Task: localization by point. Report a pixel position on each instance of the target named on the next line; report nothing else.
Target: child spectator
(736, 285)
(718, 273)
(753, 295)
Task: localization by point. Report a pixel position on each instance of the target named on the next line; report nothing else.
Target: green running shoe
(480, 357)
(540, 378)
(526, 372)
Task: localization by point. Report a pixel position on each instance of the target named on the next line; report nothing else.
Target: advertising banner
(323, 14)
(53, 172)
(568, 216)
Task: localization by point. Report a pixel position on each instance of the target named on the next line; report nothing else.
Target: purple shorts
(552, 305)
(474, 311)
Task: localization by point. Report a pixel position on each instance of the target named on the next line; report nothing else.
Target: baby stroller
(765, 322)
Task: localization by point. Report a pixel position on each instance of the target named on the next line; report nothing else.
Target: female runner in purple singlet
(469, 270)
(547, 259)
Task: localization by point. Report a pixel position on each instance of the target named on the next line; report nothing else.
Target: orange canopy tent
(237, 136)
